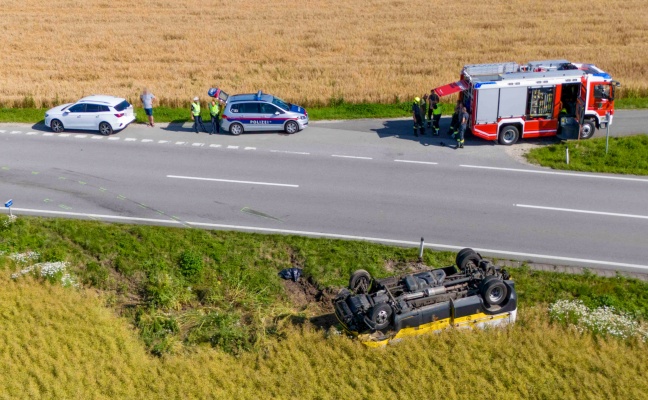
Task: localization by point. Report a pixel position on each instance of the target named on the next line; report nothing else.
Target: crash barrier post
(567, 154)
(607, 131)
(8, 204)
(420, 258)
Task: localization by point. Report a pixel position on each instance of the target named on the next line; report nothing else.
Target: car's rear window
(122, 106)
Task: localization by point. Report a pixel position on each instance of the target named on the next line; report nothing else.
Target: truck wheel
(468, 261)
(360, 282)
(587, 131)
(509, 135)
(381, 316)
(463, 252)
(494, 292)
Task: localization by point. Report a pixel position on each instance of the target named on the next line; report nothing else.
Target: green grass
(221, 288)
(22, 115)
(626, 155)
(211, 319)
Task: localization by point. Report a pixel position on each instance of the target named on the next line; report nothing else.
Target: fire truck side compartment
(512, 102)
(487, 105)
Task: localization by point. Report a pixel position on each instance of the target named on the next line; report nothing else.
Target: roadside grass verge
(626, 155)
(336, 109)
(185, 287)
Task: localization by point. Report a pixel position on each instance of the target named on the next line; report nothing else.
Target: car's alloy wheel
(57, 126)
(105, 129)
(236, 129)
(292, 127)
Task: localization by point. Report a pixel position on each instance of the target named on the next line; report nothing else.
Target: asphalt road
(366, 179)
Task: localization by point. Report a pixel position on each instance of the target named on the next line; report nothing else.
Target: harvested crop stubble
(308, 52)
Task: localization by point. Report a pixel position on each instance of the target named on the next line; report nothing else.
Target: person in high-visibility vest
(416, 116)
(195, 115)
(436, 112)
(214, 113)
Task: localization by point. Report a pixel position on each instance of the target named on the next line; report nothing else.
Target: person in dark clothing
(433, 100)
(463, 124)
(454, 123)
(417, 117)
(214, 113)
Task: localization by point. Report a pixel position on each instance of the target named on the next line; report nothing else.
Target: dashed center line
(289, 152)
(356, 157)
(417, 162)
(610, 214)
(130, 139)
(64, 134)
(231, 181)
(15, 132)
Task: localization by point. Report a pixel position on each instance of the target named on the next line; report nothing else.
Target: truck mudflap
(451, 88)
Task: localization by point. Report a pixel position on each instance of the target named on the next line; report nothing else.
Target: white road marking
(417, 162)
(3, 131)
(163, 141)
(583, 211)
(289, 152)
(356, 157)
(80, 136)
(48, 134)
(64, 134)
(438, 246)
(96, 137)
(232, 147)
(621, 178)
(250, 148)
(147, 140)
(130, 139)
(198, 144)
(113, 138)
(231, 181)
(32, 133)
(15, 132)
(118, 217)
(214, 145)
(180, 143)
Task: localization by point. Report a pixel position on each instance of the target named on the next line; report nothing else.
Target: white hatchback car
(106, 114)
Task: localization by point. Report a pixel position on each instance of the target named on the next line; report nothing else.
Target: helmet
(417, 99)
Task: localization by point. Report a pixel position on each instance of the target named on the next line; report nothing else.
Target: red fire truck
(508, 101)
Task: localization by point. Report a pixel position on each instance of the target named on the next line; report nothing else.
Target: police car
(262, 112)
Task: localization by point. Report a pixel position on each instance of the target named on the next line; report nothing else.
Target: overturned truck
(475, 292)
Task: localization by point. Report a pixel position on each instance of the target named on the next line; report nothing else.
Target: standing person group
(427, 106)
(214, 114)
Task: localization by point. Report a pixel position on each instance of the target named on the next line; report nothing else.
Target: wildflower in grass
(600, 321)
(24, 257)
(8, 221)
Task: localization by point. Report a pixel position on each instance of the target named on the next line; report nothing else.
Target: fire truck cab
(508, 101)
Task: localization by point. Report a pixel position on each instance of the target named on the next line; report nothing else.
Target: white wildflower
(24, 257)
(6, 222)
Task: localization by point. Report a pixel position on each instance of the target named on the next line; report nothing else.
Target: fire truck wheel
(381, 316)
(463, 252)
(588, 129)
(360, 282)
(494, 292)
(468, 260)
(509, 135)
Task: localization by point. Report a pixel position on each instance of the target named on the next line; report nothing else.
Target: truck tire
(468, 260)
(461, 253)
(509, 135)
(494, 292)
(360, 282)
(380, 316)
(588, 129)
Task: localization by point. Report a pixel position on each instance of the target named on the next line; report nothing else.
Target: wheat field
(62, 343)
(307, 51)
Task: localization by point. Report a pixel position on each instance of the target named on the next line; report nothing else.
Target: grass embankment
(626, 155)
(212, 304)
(335, 110)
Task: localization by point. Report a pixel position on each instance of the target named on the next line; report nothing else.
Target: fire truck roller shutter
(487, 105)
(512, 102)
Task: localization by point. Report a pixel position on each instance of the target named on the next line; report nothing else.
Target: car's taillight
(224, 116)
(119, 115)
